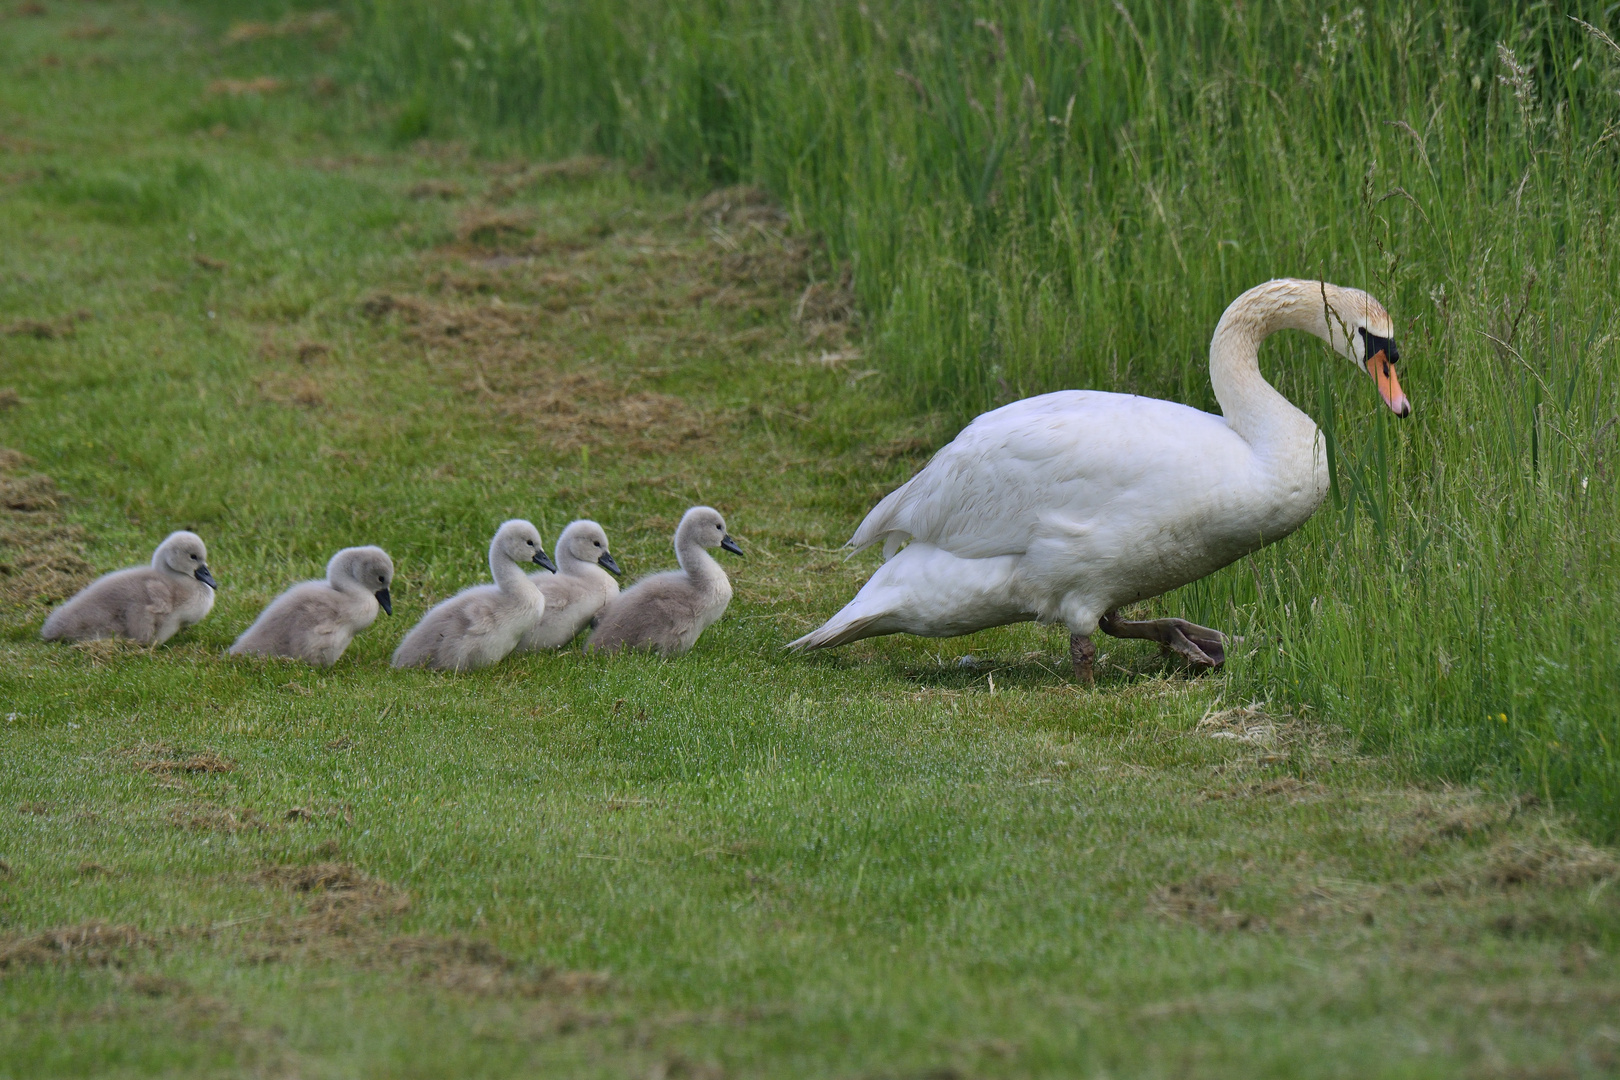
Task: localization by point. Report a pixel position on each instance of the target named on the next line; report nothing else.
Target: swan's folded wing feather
(1068, 454)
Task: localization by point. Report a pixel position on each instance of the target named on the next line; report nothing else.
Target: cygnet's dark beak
(385, 600)
(205, 577)
(610, 564)
(728, 544)
(542, 559)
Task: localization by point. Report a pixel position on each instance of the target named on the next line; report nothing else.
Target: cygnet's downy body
(584, 583)
(314, 621)
(667, 612)
(148, 604)
(480, 625)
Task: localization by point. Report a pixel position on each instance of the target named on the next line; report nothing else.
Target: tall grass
(1040, 195)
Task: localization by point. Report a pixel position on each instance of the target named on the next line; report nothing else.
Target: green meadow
(298, 278)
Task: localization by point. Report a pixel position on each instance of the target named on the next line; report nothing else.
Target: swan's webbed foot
(1201, 646)
(1081, 653)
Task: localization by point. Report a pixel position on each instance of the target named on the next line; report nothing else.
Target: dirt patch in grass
(338, 898)
(582, 409)
(512, 181)
(1205, 900)
(206, 817)
(1248, 724)
(484, 231)
(739, 206)
(344, 814)
(344, 915)
(262, 84)
(1441, 817)
(41, 557)
(1548, 860)
(435, 189)
(292, 391)
(298, 24)
(167, 760)
(91, 944)
(508, 303)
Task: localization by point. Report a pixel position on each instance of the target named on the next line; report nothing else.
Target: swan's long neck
(507, 574)
(1252, 407)
(695, 559)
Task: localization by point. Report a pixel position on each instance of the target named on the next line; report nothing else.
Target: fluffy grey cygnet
(583, 584)
(666, 612)
(314, 621)
(149, 604)
(480, 625)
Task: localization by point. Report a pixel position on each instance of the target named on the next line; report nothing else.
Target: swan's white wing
(1068, 455)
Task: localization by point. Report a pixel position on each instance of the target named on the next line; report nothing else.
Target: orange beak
(1382, 370)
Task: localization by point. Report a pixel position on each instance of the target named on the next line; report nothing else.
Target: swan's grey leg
(1201, 646)
(1081, 652)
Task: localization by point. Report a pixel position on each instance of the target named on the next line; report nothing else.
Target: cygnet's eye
(598, 543)
(194, 558)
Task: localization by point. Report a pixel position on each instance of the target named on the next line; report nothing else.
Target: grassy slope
(868, 864)
(1038, 194)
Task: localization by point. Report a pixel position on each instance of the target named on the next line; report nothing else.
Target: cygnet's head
(183, 552)
(705, 525)
(368, 567)
(519, 541)
(1363, 333)
(585, 542)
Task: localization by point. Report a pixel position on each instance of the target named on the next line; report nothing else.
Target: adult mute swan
(1069, 506)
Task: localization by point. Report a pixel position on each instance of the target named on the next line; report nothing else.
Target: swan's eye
(598, 543)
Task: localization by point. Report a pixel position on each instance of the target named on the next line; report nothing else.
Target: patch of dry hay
(91, 944)
(41, 557)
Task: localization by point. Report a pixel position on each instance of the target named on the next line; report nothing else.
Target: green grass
(880, 863)
(1045, 195)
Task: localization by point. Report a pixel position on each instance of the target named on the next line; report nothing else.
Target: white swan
(480, 625)
(1068, 506)
(314, 621)
(149, 604)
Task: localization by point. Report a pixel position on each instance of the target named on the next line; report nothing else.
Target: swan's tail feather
(837, 631)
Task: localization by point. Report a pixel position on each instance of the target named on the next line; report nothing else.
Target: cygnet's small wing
(560, 590)
(304, 623)
(127, 603)
(453, 631)
(661, 612)
(99, 610)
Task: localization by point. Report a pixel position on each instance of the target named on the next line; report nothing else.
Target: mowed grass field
(269, 311)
